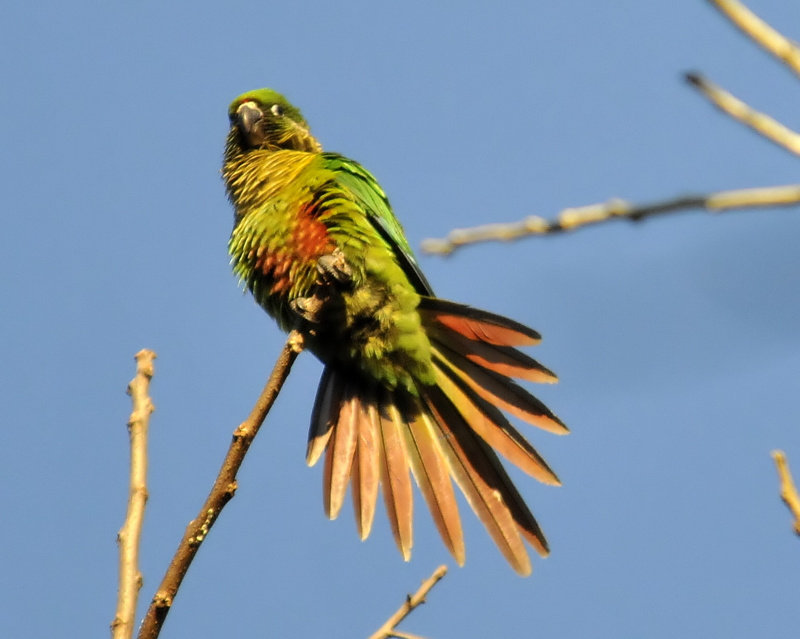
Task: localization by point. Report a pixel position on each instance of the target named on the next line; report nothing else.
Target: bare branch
(759, 31)
(128, 538)
(788, 489)
(761, 123)
(411, 602)
(221, 493)
(573, 218)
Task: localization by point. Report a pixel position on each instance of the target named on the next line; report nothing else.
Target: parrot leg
(333, 269)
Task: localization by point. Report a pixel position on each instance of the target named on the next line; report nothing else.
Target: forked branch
(572, 218)
(389, 629)
(221, 493)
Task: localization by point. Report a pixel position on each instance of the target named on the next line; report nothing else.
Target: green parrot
(411, 382)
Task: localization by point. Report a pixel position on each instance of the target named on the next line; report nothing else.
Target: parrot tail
(372, 435)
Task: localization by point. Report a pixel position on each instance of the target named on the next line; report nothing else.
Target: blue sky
(676, 340)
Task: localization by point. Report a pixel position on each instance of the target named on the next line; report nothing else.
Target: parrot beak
(248, 115)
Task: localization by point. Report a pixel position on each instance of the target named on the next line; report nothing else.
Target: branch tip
(389, 628)
(693, 78)
(129, 536)
(788, 490)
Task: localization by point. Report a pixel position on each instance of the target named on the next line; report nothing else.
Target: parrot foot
(334, 275)
(307, 307)
(333, 269)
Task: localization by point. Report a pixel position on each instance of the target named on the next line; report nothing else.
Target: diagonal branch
(761, 123)
(573, 218)
(788, 489)
(128, 538)
(760, 32)
(221, 493)
(412, 601)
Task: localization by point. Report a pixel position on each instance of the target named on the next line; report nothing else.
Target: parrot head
(264, 119)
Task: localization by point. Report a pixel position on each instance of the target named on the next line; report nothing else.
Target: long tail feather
(501, 391)
(485, 420)
(477, 324)
(324, 415)
(433, 479)
(504, 360)
(480, 476)
(366, 463)
(394, 474)
(339, 454)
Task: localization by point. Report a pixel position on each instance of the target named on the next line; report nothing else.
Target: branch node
(162, 600)
(535, 224)
(230, 490)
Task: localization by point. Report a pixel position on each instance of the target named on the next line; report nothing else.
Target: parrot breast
(306, 241)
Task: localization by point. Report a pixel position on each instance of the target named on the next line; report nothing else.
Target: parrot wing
(370, 197)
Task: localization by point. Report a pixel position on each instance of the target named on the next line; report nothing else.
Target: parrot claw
(334, 274)
(333, 269)
(307, 307)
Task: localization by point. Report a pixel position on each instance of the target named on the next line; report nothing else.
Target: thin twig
(788, 489)
(221, 493)
(128, 538)
(761, 123)
(759, 31)
(573, 218)
(411, 602)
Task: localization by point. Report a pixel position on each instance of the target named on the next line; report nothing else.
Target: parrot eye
(276, 110)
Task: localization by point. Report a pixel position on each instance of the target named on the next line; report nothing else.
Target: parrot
(412, 385)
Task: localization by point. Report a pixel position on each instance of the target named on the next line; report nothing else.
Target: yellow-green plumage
(411, 382)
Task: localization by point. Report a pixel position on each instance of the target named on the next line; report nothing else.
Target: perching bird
(410, 381)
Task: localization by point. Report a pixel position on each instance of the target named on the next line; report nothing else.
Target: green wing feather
(368, 194)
